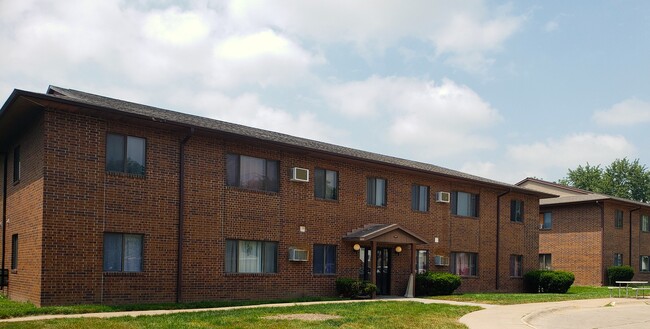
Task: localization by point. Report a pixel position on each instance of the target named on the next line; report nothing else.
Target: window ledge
(545, 229)
(14, 271)
(123, 174)
(517, 222)
(242, 189)
(327, 200)
(16, 182)
(324, 274)
(461, 216)
(250, 274)
(516, 277)
(419, 212)
(376, 206)
(123, 273)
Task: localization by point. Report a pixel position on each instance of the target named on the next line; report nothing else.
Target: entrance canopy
(384, 233)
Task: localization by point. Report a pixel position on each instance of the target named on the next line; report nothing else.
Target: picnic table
(628, 284)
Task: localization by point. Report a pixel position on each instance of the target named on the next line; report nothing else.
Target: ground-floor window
(122, 252)
(464, 263)
(545, 261)
(324, 259)
(645, 263)
(422, 261)
(516, 267)
(245, 256)
(618, 259)
(14, 252)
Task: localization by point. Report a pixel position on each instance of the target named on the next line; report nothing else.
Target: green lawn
(11, 309)
(508, 299)
(381, 314)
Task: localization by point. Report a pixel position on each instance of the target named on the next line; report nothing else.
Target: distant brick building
(585, 232)
(107, 201)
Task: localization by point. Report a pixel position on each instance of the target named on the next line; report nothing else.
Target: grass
(509, 299)
(11, 309)
(384, 314)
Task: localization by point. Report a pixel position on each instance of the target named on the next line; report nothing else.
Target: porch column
(373, 264)
(413, 270)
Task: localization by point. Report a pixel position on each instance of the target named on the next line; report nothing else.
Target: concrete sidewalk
(162, 312)
(589, 313)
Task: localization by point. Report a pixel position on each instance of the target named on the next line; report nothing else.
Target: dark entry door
(383, 271)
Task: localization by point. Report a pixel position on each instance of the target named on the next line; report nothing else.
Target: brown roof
(85, 101)
(370, 232)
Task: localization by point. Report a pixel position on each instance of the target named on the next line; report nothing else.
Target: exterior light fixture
(356, 247)
(398, 249)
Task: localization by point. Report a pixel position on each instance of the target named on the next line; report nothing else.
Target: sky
(500, 89)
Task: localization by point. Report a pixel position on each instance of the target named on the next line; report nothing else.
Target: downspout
(4, 213)
(602, 242)
(181, 215)
(630, 256)
(498, 237)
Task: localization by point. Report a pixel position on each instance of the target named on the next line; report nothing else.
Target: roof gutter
(498, 238)
(181, 215)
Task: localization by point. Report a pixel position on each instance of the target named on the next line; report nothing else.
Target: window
(464, 263)
(122, 252)
(545, 262)
(243, 256)
(645, 264)
(516, 268)
(252, 173)
(618, 218)
(376, 191)
(14, 252)
(324, 259)
(618, 259)
(16, 164)
(464, 204)
(422, 261)
(645, 223)
(420, 198)
(517, 211)
(326, 184)
(125, 154)
(546, 221)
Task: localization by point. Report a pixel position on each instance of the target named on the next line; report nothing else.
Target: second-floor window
(645, 223)
(376, 191)
(517, 211)
(252, 173)
(125, 154)
(546, 221)
(420, 198)
(618, 218)
(464, 204)
(326, 184)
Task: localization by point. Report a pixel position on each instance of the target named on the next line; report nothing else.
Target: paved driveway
(618, 313)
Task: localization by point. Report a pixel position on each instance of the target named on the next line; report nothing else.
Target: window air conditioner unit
(442, 197)
(441, 261)
(299, 174)
(298, 255)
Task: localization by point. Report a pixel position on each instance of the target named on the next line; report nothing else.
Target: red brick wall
(82, 202)
(25, 215)
(574, 241)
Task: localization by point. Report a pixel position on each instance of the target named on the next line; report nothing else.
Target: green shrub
(619, 273)
(531, 281)
(557, 282)
(348, 287)
(436, 283)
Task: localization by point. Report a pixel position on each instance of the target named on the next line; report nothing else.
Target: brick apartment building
(585, 233)
(107, 201)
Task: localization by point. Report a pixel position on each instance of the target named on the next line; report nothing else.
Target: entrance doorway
(382, 269)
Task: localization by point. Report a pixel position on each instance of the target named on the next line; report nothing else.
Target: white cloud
(626, 113)
(427, 118)
(175, 27)
(569, 151)
(466, 31)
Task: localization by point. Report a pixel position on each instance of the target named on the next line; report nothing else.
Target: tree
(622, 178)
